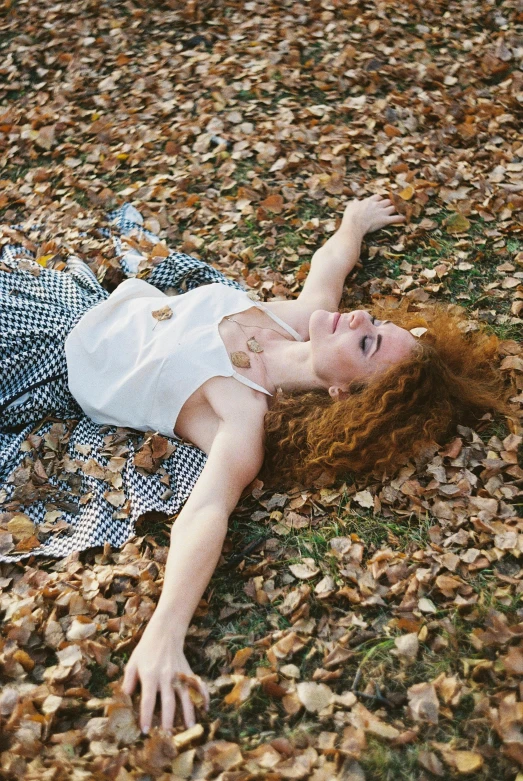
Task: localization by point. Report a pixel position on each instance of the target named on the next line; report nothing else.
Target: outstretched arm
(330, 264)
(196, 542)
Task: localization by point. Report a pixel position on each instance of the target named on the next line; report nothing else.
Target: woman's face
(354, 346)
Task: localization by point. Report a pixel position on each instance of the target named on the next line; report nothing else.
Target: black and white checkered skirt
(67, 483)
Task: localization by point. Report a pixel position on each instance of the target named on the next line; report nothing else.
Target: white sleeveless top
(126, 368)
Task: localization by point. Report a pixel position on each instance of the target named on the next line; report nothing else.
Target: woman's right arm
(196, 542)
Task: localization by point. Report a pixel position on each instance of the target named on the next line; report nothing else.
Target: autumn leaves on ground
(361, 630)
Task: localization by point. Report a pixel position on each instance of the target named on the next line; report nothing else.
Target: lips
(337, 316)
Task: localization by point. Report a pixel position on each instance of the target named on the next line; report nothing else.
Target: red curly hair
(450, 379)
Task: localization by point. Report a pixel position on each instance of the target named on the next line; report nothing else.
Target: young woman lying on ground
(294, 382)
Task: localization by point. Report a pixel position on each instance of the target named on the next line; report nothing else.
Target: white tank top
(126, 368)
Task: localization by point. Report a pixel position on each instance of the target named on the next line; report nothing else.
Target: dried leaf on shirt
(165, 313)
(254, 346)
(241, 360)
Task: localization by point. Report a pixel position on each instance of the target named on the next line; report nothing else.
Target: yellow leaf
(467, 761)
(42, 260)
(241, 656)
(21, 527)
(407, 193)
(160, 251)
(457, 223)
(241, 691)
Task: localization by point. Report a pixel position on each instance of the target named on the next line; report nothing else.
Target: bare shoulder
(236, 404)
(295, 313)
(240, 412)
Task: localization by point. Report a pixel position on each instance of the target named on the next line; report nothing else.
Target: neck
(289, 366)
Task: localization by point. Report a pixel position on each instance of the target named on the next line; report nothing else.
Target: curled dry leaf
(365, 720)
(407, 647)
(314, 696)
(183, 739)
(305, 569)
(457, 223)
(254, 346)
(325, 587)
(240, 359)
(464, 762)
(423, 702)
(21, 527)
(165, 313)
(241, 692)
(121, 724)
(222, 754)
(364, 499)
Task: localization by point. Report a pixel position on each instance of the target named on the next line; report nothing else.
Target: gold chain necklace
(240, 358)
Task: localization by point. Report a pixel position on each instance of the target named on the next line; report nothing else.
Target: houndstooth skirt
(67, 483)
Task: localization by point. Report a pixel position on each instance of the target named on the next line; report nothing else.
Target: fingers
(147, 703)
(130, 678)
(168, 705)
(187, 706)
(394, 218)
(204, 691)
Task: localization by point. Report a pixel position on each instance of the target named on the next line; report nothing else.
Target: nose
(356, 318)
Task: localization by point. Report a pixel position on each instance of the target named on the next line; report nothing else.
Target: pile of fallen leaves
(363, 630)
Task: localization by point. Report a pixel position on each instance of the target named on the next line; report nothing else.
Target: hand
(160, 664)
(371, 214)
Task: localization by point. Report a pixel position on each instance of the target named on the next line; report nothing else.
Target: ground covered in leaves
(357, 631)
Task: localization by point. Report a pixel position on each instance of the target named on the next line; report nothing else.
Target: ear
(338, 393)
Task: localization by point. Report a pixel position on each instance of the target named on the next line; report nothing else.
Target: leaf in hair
(241, 360)
(254, 346)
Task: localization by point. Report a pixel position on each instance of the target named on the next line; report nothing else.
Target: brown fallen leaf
(222, 754)
(423, 702)
(273, 203)
(165, 313)
(456, 223)
(241, 656)
(182, 739)
(465, 762)
(314, 696)
(429, 761)
(363, 719)
(305, 569)
(513, 661)
(240, 359)
(21, 527)
(116, 498)
(241, 691)
(253, 346)
(407, 647)
(121, 724)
